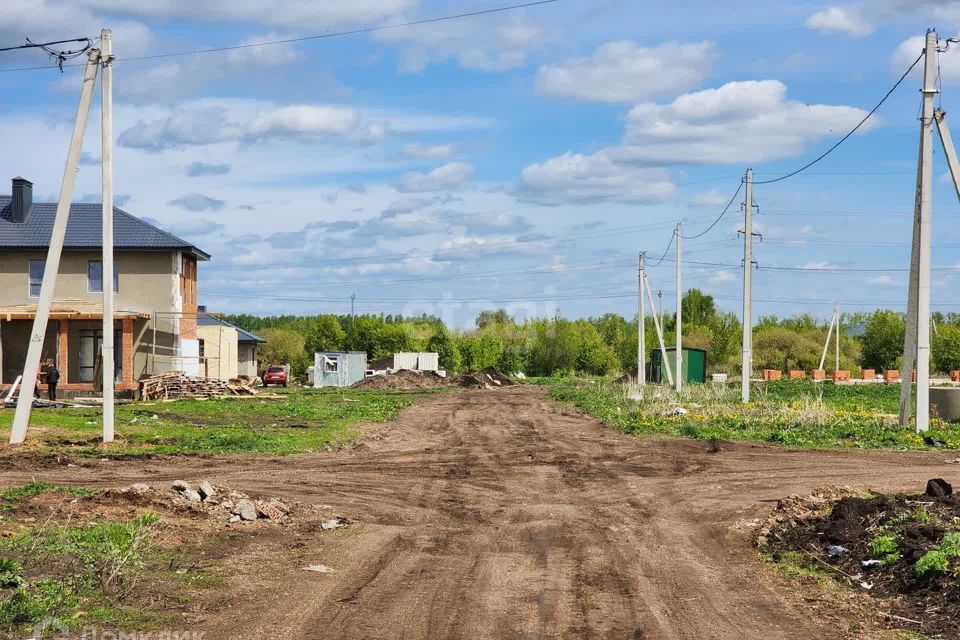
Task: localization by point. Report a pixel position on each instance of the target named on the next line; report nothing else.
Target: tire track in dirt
(501, 515)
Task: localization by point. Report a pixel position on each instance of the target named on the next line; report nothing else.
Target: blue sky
(520, 159)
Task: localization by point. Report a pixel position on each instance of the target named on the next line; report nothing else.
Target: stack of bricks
(891, 375)
(772, 374)
(796, 374)
(841, 376)
(819, 375)
(869, 374)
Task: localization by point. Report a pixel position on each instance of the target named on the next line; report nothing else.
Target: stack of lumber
(243, 386)
(176, 384)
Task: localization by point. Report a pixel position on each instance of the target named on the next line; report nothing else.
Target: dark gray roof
(242, 334)
(84, 230)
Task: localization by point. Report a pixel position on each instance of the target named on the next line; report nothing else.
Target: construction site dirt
(502, 515)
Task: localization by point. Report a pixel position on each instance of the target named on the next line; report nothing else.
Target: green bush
(932, 562)
(951, 545)
(883, 545)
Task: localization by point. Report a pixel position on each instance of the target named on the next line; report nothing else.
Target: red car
(275, 375)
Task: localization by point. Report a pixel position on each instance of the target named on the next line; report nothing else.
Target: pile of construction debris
(233, 505)
(176, 384)
(244, 386)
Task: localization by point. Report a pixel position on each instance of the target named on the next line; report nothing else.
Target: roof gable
(85, 230)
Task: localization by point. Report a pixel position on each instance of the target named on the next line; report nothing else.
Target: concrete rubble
(235, 506)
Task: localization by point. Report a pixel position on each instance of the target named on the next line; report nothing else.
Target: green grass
(74, 573)
(301, 421)
(34, 488)
(799, 414)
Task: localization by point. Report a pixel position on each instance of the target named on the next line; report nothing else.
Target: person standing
(53, 377)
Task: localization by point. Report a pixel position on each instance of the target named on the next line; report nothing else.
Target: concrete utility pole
(678, 378)
(924, 226)
(107, 270)
(660, 296)
(910, 324)
(659, 327)
(21, 418)
(641, 329)
(746, 364)
(353, 299)
(836, 344)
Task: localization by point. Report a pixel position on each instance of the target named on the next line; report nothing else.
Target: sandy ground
(500, 515)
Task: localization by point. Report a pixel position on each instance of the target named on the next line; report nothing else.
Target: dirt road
(501, 515)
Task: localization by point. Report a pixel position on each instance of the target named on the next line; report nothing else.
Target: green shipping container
(694, 365)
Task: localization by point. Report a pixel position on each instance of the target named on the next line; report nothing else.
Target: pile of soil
(874, 543)
(404, 379)
(489, 378)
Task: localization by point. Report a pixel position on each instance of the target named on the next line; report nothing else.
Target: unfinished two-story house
(155, 280)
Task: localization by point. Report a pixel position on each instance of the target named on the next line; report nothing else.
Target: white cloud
(623, 71)
(908, 50)
(313, 121)
(266, 56)
(581, 179)
(884, 279)
(212, 121)
(197, 202)
(430, 152)
(711, 199)
(448, 176)
(818, 265)
(493, 43)
(738, 122)
(851, 20)
(294, 14)
(722, 276)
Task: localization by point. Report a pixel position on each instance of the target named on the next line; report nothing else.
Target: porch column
(126, 359)
(63, 351)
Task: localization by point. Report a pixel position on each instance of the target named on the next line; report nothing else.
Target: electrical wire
(720, 217)
(852, 131)
(61, 56)
(322, 36)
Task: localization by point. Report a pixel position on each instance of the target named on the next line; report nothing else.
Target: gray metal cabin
(339, 368)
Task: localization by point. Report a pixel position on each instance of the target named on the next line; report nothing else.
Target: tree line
(603, 345)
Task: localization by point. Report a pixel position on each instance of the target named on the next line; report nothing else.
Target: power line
(852, 131)
(322, 36)
(61, 56)
(723, 213)
(43, 45)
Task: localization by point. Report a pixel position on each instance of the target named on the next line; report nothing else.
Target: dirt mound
(403, 379)
(489, 378)
(903, 550)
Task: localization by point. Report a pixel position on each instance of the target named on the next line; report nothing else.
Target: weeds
(301, 421)
(932, 562)
(791, 413)
(95, 563)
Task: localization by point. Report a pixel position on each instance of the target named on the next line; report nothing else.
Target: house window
(95, 277)
(36, 277)
(91, 342)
